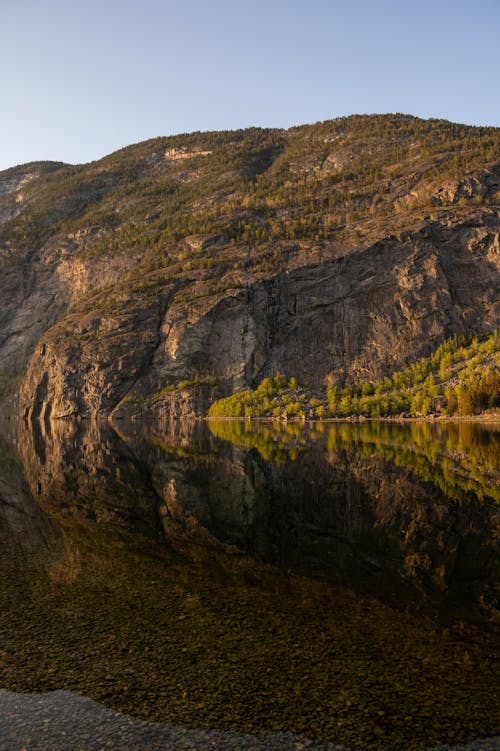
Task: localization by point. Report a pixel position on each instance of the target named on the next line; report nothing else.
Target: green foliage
(197, 382)
(275, 396)
(461, 377)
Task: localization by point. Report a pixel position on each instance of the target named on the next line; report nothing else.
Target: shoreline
(59, 720)
(484, 418)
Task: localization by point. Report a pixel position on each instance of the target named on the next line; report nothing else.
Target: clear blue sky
(81, 78)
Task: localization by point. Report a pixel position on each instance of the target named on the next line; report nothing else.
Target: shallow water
(334, 580)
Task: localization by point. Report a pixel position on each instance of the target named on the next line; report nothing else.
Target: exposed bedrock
(365, 314)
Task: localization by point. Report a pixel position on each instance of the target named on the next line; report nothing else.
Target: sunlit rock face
(179, 270)
(366, 314)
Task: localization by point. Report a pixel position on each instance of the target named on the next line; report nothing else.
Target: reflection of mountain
(134, 579)
(359, 504)
(353, 506)
(81, 473)
(27, 534)
(461, 459)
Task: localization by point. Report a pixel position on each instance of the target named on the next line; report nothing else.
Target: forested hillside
(184, 269)
(460, 378)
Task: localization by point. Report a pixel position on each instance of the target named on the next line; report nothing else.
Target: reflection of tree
(461, 459)
(107, 606)
(275, 442)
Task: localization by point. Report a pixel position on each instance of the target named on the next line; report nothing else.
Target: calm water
(336, 580)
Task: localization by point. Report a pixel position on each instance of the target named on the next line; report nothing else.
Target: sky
(82, 78)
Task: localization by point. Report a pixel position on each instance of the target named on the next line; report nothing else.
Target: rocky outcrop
(13, 182)
(365, 314)
(38, 287)
(176, 271)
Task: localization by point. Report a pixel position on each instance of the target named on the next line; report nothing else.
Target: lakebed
(333, 581)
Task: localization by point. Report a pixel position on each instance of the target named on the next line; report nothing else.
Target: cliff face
(179, 270)
(367, 313)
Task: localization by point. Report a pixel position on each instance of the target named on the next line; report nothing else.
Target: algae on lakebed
(243, 648)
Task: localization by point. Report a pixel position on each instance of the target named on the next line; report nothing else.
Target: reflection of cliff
(461, 459)
(27, 535)
(82, 474)
(340, 503)
(139, 585)
(347, 508)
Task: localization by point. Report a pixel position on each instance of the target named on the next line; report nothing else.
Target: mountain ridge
(330, 251)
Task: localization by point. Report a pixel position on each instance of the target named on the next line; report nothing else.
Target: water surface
(333, 580)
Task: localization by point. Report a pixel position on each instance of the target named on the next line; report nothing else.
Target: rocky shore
(61, 720)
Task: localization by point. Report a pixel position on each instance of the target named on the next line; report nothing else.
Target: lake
(334, 580)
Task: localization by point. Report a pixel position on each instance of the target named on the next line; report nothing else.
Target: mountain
(179, 270)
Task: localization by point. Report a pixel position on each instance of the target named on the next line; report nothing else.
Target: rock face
(107, 309)
(366, 314)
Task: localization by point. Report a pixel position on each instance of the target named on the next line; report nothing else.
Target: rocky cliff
(176, 271)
